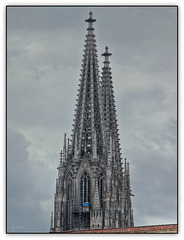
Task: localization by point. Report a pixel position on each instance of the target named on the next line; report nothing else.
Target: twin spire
(95, 150)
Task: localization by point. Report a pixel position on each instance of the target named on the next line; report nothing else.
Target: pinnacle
(109, 111)
(90, 19)
(96, 204)
(106, 53)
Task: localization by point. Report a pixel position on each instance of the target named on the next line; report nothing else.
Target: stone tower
(92, 188)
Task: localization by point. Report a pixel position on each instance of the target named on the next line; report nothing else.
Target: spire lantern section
(109, 110)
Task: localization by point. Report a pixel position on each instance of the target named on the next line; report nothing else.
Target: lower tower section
(91, 196)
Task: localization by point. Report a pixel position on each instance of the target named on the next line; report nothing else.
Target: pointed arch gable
(85, 166)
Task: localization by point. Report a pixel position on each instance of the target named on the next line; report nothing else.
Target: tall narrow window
(85, 188)
(100, 188)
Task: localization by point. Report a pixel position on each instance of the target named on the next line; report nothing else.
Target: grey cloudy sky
(44, 57)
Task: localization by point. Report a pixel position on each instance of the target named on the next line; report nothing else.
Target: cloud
(154, 183)
(29, 188)
(29, 70)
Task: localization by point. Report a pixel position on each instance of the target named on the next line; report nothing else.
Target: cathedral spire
(109, 108)
(92, 191)
(88, 123)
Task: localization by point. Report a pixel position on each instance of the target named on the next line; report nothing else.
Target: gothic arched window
(101, 188)
(85, 186)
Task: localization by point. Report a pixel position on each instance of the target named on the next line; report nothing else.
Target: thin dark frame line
(87, 6)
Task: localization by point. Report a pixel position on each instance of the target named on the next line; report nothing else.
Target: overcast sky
(44, 53)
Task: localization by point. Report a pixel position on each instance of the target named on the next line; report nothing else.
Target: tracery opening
(101, 188)
(85, 185)
(85, 191)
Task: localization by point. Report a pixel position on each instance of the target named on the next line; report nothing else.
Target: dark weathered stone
(92, 189)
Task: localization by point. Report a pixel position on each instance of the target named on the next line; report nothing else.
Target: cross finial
(90, 19)
(106, 53)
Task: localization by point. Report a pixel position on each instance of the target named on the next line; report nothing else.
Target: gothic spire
(92, 191)
(87, 123)
(109, 108)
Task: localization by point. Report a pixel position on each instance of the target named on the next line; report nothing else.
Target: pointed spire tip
(90, 19)
(106, 53)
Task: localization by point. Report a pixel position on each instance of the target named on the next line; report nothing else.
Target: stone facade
(92, 188)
